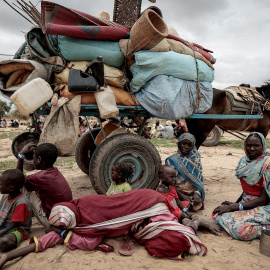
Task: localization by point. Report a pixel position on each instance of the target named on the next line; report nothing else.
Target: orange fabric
(122, 97)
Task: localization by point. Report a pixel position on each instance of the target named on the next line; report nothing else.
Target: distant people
(179, 129)
(15, 210)
(14, 123)
(121, 175)
(46, 187)
(3, 122)
(155, 129)
(166, 132)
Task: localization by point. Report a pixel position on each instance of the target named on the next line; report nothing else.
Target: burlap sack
(61, 127)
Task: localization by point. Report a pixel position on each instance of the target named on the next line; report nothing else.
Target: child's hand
(196, 199)
(30, 147)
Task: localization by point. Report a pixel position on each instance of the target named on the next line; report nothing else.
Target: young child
(15, 210)
(46, 187)
(121, 174)
(167, 175)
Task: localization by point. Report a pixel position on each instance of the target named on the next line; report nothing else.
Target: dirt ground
(223, 252)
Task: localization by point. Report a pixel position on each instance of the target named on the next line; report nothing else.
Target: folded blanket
(59, 20)
(17, 72)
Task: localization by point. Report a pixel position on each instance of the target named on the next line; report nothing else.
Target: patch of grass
(6, 165)
(237, 144)
(66, 162)
(10, 134)
(164, 143)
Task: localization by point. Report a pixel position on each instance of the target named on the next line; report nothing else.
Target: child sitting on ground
(167, 175)
(121, 175)
(49, 186)
(15, 210)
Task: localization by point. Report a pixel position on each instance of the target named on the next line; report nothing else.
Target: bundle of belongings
(103, 61)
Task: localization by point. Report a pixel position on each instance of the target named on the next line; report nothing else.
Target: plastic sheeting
(172, 98)
(150, 64)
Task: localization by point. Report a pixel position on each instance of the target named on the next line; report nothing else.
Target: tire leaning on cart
(137, 151)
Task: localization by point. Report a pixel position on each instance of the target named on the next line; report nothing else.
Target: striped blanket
(142, 212)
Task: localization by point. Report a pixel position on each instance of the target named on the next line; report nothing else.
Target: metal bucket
(265, 243)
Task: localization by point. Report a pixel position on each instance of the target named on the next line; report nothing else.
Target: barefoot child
(15, 210)
(121, 175)
(48, 185)
(167, 175)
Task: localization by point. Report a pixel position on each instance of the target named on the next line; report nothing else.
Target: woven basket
(126, 12)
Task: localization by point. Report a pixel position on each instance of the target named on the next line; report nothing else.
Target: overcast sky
(236, 30)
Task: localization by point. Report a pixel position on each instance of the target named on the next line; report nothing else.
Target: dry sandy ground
(223, 252)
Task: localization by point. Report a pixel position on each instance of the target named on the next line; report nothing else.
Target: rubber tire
(213, 137)
(85, 148)
(134, 149)
(19, 142)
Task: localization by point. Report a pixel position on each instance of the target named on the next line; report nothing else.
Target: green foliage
(15, 114)
(4, 108)
(9, 134)
(164, 142)
(6, 165)
(238, 144)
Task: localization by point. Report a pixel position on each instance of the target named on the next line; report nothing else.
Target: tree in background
(15, 114)
(4, 108)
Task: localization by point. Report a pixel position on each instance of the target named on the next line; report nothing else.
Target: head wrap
(252, 170)
(187, 136)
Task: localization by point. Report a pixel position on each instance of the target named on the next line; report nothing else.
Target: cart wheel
(133, 149)
(19, 142)
(213, 138)
(85, 148)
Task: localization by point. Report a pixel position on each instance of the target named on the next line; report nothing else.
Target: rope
(199, 95)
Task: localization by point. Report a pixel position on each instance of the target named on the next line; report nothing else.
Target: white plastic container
(31, 96)
(106, 102)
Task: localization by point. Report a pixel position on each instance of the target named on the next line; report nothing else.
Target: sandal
(126, 247)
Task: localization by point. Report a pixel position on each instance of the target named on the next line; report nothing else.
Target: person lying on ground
(15, 210)
(245, 218)
(121, 175)
(84, 222)
(46, 187)
(187, 162)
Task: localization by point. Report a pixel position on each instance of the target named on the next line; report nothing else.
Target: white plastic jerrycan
(31, 96)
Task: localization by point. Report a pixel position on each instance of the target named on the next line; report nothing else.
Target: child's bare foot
(3, 259)
(207, 223)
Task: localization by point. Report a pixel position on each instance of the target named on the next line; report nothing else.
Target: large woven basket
(126, 12)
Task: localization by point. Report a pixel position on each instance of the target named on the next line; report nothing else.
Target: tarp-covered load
(170, 76)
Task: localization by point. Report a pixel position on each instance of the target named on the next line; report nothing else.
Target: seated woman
(84, 222)
(187, 162)
(244, 219)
